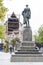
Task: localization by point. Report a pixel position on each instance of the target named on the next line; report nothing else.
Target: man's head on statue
(26, 5)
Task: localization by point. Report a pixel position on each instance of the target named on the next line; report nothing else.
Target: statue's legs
(28, 22)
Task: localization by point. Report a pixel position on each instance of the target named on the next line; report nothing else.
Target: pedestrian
(10, 48)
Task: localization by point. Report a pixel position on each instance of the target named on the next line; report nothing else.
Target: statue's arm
(23, 13)
(30, 13)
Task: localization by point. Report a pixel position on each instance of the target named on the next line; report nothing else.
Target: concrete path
(5, 60)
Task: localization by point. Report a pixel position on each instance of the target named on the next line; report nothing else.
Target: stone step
(27, 52)
(28, 55)
(27, 48)
(23, 44)
(29, 43)
(27, 58)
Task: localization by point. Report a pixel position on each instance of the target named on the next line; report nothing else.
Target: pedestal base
(27, 51)
(27, 58)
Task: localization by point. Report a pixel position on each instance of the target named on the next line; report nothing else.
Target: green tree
(2, 31)
(40, 31)
(6, 47)
(3, 11)
(13, 41)
(39, 37)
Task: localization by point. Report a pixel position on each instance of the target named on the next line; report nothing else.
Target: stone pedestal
(27, 51)
(27, 34)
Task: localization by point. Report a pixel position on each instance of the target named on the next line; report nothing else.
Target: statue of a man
(26, 15)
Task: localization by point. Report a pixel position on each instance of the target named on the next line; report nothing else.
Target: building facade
(12, 25)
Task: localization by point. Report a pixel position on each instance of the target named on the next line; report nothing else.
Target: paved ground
(5, 60)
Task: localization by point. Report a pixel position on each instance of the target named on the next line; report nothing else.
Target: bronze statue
(26, 15)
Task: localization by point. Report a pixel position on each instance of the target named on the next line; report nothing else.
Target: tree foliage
(3, 10)
(40, 31)
(39, 37)
(13, 41)
(2, 31)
